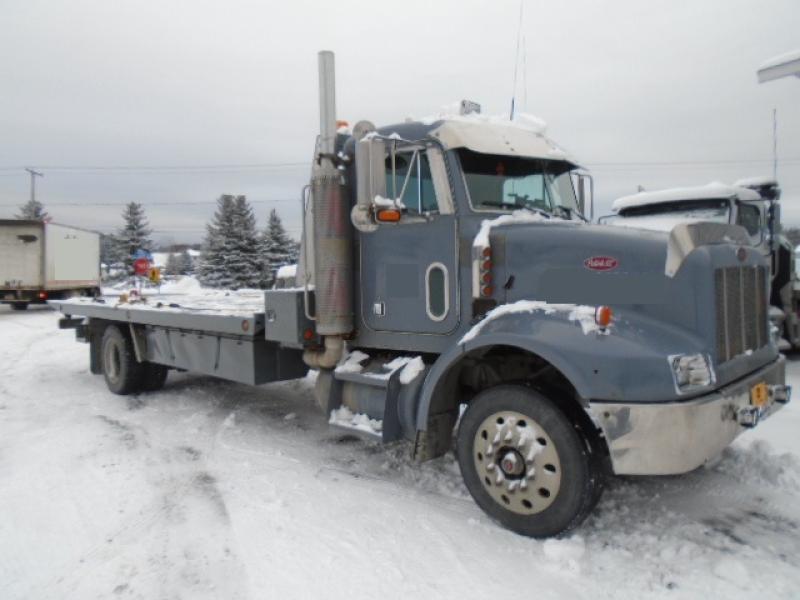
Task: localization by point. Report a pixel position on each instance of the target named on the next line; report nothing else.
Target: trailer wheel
(524, 462)
(122, 373)
(154, 377)
(19, 305)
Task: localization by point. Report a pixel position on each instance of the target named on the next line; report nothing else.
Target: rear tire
(19, 305)
(122, 373)
(524, 462)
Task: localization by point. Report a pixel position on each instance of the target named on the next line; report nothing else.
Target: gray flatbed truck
(450, 290)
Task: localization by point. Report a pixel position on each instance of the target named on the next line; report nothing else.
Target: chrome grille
(741, 310)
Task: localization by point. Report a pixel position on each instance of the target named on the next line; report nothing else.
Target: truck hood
(565, 263)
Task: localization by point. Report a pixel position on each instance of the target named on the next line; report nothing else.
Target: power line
(178, 203)
(163, 168)
(186, 169)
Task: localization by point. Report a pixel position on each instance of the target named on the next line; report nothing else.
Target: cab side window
(749, 217)
(414, 171)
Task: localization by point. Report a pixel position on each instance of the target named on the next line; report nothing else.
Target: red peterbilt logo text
(601, 263)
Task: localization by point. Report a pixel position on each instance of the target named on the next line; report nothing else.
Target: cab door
(409, 268)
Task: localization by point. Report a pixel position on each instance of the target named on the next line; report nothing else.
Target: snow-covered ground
(210, 489)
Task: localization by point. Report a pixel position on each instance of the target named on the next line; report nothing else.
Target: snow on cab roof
(524, 136)
(757, 181)
(710, 191)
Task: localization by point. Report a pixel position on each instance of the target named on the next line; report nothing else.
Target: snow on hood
(710, 191)
(518, 216)
(584, 315)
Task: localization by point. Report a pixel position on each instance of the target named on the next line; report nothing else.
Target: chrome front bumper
(677, 437)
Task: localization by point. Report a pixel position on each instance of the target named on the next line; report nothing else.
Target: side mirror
(370, 180)
(585, 200)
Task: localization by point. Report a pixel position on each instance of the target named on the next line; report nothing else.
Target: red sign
(141, 266)
(601, 263)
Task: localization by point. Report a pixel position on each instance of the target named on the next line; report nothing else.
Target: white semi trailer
(45, 261)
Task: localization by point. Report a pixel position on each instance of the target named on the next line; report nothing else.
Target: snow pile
(351, 362)
(344, 417)
(583, 315)
(411, 370)
(565, 553)
(712, 191)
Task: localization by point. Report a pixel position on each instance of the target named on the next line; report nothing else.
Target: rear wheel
(123, 374)
(524, 462)
(19, 305)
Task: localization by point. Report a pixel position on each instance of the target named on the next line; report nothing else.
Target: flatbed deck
(194, 314)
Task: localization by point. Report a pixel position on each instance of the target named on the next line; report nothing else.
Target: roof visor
(495, 136)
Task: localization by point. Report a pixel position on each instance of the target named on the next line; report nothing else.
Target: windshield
(508, 183)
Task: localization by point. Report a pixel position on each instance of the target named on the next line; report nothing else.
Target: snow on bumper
(677, 437)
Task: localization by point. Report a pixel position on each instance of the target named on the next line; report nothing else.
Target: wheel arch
(442, 392)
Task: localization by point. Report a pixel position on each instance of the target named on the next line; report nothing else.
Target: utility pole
(34, 175)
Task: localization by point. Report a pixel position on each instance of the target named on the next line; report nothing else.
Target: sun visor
(498, 137)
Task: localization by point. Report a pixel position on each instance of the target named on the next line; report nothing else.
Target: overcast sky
(655, 93)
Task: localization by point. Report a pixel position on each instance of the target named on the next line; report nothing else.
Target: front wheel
(19, 305)
(524, 463)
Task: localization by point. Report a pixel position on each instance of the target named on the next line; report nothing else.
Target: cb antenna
(516, 63)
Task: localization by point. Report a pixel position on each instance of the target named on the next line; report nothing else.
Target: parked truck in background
(450, 290)
(42, 261)
(751, 203)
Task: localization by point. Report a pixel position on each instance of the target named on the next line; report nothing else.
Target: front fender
(626, 363)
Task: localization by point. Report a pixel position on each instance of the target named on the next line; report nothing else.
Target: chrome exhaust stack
(333, 235)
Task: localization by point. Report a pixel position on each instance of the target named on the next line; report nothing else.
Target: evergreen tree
(277, 249)
(33, 210)
(231, 252)
(185, 263)
(134, 235)
(173, 266)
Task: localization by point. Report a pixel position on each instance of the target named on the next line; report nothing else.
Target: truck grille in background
(741, 309)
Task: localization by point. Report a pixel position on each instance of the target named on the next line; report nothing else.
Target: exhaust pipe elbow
(327, 358)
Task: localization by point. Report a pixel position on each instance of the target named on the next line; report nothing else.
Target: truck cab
(751, 203)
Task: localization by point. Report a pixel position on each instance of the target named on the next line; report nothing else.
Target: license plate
(759, 395)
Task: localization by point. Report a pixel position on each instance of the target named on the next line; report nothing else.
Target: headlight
(691, 372)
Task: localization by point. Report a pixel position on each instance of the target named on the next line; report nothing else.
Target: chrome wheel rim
(517, 462)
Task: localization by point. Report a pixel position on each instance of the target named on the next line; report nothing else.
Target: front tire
(123, 374)
(19, 305)
(524, 462)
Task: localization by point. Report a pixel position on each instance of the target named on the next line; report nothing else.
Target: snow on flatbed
(210, 489)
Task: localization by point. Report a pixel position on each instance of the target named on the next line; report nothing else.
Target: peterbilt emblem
(741, 254)
(601, 263)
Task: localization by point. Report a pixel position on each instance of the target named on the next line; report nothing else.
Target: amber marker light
(388, 215)
(603, 316)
